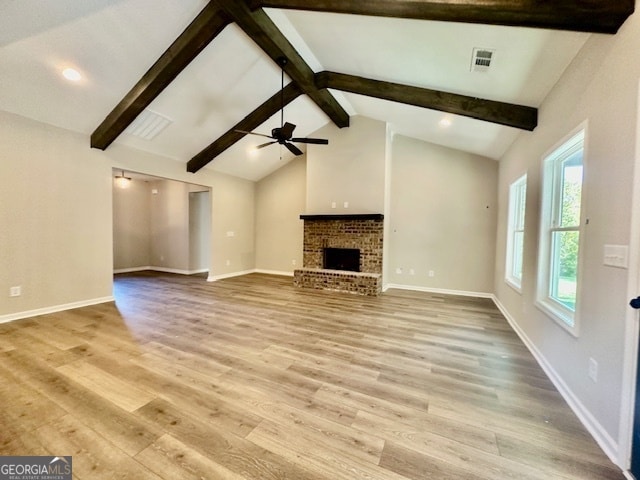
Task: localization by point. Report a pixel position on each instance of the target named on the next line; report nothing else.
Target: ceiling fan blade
(316, 141)
(253, 133)
(287, 130)
(292, 148)
(266, 144)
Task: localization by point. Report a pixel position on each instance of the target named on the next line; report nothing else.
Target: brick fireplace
(362, 232)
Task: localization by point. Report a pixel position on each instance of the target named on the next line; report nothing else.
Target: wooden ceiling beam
(517, 116)
(204, 28)
(600, 16)
(594, 16)
(256, 118)
(259, 27)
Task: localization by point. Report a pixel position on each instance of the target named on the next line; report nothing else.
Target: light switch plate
(616, 256)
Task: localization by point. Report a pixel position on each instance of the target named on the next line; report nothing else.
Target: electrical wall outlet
(432, 273)
(15, 291)
(228, 262)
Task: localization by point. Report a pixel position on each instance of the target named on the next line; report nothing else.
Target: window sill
(558, 316)
(513, 285)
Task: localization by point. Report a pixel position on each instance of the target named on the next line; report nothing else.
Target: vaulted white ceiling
(113, 43)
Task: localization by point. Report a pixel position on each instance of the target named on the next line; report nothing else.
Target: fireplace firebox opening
(342, 259)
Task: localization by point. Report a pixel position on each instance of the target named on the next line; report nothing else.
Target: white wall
(56, 235)
(55, 218)
(440, 205)
(280, 199)
(350, 169)
(233, 226)
(161, 224)
(199, 230)
(132, 226)
(443, 218)
(232, 207)
(170, 225)
(601, 88)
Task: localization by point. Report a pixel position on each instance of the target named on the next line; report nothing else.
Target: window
(560, 231)
(515, 232)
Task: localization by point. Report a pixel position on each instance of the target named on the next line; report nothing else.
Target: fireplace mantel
(343, 216)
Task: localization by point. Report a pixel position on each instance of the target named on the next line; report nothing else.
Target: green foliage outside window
(570, 217)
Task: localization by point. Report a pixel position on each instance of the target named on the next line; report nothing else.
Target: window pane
(571, 191)
(520, 206)
(515, 231)
(518, 241)
(564, 267)
(560, 231)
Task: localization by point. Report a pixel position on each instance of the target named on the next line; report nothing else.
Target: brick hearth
(364, 232)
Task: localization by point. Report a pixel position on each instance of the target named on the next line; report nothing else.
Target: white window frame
(515, 227)
(551, 199)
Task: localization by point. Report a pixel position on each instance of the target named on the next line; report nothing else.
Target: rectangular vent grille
(148, 125)
(481, 59)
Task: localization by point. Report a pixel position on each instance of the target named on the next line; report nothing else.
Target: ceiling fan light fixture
(121, 181)
(283, 134)
(252, 151)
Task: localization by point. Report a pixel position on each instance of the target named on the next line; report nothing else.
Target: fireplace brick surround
(362, 231)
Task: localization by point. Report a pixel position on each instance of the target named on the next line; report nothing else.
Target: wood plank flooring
(250, 378)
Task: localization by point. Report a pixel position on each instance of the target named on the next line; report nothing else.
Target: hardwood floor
(250, 378)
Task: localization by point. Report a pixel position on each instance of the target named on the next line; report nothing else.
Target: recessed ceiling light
(445, 122)
(71, 74)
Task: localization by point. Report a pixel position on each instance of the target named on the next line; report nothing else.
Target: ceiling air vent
(481, 59)
(148, 125)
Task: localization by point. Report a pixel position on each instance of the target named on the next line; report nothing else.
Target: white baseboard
(215, 278)
(211, 278)
(597, 431)
(54, 309)
(438, 290)
(160, 269)
(131, 270)
(178, 271)
(273, 272)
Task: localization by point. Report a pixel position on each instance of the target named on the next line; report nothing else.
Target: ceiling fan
(283, 134)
